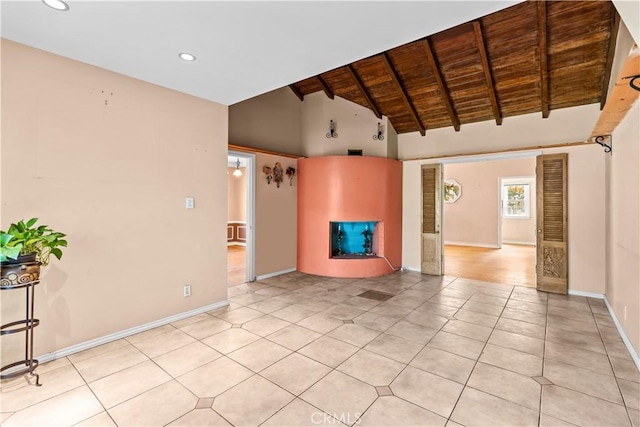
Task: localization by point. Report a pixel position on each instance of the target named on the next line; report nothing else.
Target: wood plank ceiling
(536, 56)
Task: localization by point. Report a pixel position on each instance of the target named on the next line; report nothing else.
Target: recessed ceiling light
(56, 4)
(187, 56)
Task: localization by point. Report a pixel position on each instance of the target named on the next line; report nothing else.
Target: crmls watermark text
(346, 418)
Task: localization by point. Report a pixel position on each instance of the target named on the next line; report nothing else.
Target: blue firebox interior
(352, 239)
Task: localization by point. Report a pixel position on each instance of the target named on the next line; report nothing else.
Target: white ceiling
(243, 49)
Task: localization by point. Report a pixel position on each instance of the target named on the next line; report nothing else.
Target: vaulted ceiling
(535, 56)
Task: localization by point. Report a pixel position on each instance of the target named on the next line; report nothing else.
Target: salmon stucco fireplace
(349, 216)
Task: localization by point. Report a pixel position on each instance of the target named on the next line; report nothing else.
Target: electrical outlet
(189, 202)
(187, 291)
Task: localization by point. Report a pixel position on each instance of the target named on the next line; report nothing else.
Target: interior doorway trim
(250, 270)
(489, 157)
(473, 158)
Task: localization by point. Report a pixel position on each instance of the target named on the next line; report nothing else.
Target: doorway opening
(240, 218)
(489, 230)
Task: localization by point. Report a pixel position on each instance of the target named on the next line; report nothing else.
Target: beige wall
(356, 126)
(276, 218)
(271, 121)
(109, 160)
(526, 131)
(623, 233)
(474, 219)
(587, 238)
(392, 142)
(236, 195)
(586, 216)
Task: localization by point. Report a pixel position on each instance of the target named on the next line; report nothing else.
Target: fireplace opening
(354, 239)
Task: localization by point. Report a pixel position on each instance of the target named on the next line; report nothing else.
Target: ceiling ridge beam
(446, 96)
(542, 47)
(296, 91)
(403, 92)
(613, 36)
(477, 30)
(325, 87)
(364, 91)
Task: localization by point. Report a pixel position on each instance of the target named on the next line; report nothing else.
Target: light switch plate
(189, 203)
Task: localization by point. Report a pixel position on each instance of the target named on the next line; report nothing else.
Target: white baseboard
(415, 269)
(127, 332)
(586, 294)
(621, 331)
(518, 242)
(274, 274)
(236, 244)
(623, 334)
(478, 245)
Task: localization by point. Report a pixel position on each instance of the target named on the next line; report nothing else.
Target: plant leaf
(56, 252)
(31, 222)
(11, 251)
(5, 238)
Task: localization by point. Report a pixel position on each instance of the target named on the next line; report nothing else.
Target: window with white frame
(516, 199)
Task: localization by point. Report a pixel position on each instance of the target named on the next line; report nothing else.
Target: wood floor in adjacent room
(236, 265)
(512, 265)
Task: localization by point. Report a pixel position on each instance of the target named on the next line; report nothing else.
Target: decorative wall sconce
(268, 172)
(379, 136)
(605, 141)
(291, 173)
(237, 172)
(332, 130)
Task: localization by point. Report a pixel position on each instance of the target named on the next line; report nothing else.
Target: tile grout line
(581, 392)
(359, 348)
(478, 360)
(334, 369)
(406, 365)
(544, 359)
(624, 402)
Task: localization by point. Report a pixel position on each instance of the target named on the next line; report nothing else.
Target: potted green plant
(24, 247)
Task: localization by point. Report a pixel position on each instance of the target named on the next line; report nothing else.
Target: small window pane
(515, 199)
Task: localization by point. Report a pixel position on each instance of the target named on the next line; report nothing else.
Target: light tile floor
(301, 350)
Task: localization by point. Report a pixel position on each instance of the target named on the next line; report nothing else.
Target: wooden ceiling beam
(542, 47)
(622, 98)
(446, 97)
(477, 30)
(325, 87)
(615, 25)
(403, 92)
(364, 91)
(297, 92)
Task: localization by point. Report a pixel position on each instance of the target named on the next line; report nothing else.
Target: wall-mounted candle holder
(379, 136)
(332, 130)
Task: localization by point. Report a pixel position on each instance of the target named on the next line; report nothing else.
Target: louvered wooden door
(552, 258)
(431, 219)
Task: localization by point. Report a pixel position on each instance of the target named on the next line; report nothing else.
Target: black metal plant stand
(27, 325)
